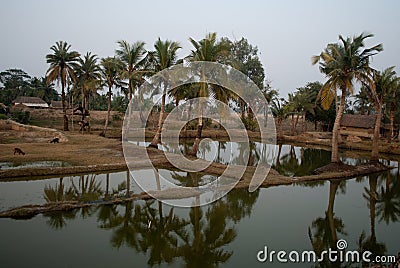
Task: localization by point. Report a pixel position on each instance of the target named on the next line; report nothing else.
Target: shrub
(21, 116)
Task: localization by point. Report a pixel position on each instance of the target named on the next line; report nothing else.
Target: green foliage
(119, 103)
(21, 116)
(116, 117)
(3, 117)
(17, 83)
(318, 114)
(98, 102)
(250, 123)
(244, 57)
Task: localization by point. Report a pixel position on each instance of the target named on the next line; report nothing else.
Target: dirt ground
(78, 150)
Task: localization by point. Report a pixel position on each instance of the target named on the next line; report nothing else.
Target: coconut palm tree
(392, 98)
(384, 82)
(132, 56)
(207, 49)
(111, 68)
(163, 57)
(280, 112)
(88, 77)
(344, 63)
(62, 64)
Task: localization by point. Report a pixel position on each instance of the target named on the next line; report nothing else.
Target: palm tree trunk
(157, 137)
(242, 106)
(375, 144)
(295, 123)
(280, 132)
(362, 108)
(391, 134)
(278, 157)
(333, 186)
(336, 129)
(196, 144)
(304, 122)
(63, 106)
(128, 183)
(107, 183)
(103, 133)
(372, 202)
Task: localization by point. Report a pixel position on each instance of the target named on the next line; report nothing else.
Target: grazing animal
(55, 140)
(83, 125)
(18, 151)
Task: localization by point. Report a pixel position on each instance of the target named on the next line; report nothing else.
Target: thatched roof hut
(56, 104)
(358, 125)
(32, 102)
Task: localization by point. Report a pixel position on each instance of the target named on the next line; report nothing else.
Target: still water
(364, 211)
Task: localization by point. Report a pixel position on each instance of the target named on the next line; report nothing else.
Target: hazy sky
(287, 33)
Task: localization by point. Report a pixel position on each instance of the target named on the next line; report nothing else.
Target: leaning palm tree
(111, 68)
(62, 64)
(207, 49)
(164, 56)
(344, 63)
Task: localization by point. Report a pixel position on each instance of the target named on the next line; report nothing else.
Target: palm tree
(393, 98)
(384, 82)
(110, 71)
(299, 104)
(164, 56)
(280, 112)
(344, 63)
(132, 56)
(62, 64)
(207, 49)
(88, 77)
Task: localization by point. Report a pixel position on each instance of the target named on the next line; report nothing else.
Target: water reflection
(324, 230)
(213, 235)
(86, 189)
(195, 237)
(370, 242)
(382, 196)
(300, 161)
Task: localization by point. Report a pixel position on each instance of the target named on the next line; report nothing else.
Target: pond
(11, 165)
(230, 232)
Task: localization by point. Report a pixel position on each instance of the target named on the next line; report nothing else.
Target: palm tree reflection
(323, 231)
(371, 243)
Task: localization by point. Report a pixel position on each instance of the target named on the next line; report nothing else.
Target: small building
(358, 125)
(31, 102)
(56, 104)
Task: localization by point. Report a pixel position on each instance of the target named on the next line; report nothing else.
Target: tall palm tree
(62, 64)
(163, 57)
(132, 56)
(392, 98)
(344, 63)
(111, 68)
(88, 77)
(207, 49)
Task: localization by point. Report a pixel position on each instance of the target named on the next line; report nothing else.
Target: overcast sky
(287, 33)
